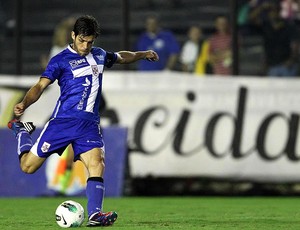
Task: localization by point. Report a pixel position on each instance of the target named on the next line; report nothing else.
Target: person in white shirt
(191, 48)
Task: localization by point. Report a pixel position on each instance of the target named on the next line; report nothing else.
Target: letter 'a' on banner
(46, 181)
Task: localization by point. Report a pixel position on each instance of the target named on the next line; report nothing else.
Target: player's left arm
(126, 57)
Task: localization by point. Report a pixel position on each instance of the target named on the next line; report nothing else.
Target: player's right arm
(126, 57)
(32, 95)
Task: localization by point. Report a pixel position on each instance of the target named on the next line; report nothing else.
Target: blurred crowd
(206, 53)
(276, 21)
(200, 55)
(278, 24)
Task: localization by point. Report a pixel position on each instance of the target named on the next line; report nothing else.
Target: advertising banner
(239, 128)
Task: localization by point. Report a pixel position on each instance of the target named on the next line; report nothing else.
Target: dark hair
(86, 25)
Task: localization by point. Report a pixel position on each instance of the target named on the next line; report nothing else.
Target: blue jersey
(164, 44)
(80, 81)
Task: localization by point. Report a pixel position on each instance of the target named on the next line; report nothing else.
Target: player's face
(82, 44)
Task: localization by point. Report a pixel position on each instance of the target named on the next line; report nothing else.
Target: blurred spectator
(161, 41)
(281, 42)
(261, 15)
(256, 17)
(191, 49)
(244, 21)
(243, 13)
(60, 40)
(203, 66)
(290, 9)
(194, 53)
(220, 55)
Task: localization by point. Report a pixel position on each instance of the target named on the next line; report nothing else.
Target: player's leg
(94, 162)
(29, 163)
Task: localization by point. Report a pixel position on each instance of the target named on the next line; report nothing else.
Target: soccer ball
(69, 214)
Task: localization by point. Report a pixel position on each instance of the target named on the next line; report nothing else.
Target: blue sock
(95, 194)
(24, 143)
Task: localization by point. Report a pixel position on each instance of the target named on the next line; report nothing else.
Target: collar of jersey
(71, 49)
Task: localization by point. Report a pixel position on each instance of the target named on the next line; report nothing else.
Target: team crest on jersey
(95, 70)
(45, 147)
(75, 63)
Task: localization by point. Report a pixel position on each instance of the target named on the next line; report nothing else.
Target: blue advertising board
(46, 181)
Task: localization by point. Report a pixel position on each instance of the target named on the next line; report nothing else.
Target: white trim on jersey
(82, 72)
(57, 108)
(98, 69)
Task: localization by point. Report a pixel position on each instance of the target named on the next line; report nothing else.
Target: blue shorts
(57, 134)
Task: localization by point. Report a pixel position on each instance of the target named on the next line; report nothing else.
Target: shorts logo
(45, 147)
(100, 187)
(95, 70)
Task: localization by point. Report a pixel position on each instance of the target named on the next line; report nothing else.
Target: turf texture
(143, 213)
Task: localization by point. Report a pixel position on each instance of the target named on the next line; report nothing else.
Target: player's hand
(151, 55)
(19, 109)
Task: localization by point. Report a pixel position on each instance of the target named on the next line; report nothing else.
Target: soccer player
(75, 120)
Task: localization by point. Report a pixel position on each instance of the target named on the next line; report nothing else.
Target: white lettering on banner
(239, 128)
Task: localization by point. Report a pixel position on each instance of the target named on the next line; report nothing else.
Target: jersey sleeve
(110, 59)
(52, 70)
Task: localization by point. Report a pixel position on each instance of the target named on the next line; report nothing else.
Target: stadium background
(27, 29)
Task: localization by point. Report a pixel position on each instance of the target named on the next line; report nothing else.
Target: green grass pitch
(142, 213)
